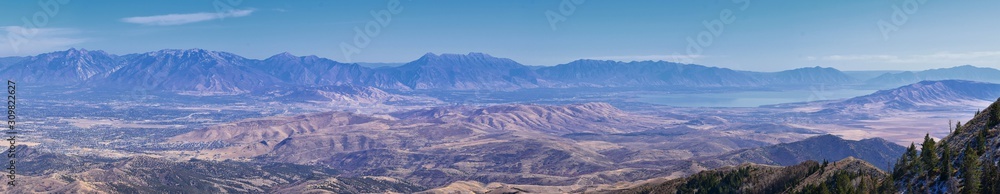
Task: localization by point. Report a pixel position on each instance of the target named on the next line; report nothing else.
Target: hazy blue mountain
(965, 72)
(811, 76)
(644, 73)
(923, 93)
(661, 73)
(214, 72)
(312, 70)
(469, 71)
(876, 151)
(62, 68)
(379, 65)
(194, 71)
(867, 75)
(8, 61)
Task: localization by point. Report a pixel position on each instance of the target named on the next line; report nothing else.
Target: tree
(913, 160)
(945, 162)
(905, 163)
(822, 169)
(928, 156)
(994, 117)
(970, 172)
(990, 179)
(981, 139)
(887, 185)
(958, 127)
(824, 189)
(842, 183)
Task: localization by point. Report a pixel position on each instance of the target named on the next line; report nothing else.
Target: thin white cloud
(673, 58)
(940, 57)
(21, 41)
(178, 19)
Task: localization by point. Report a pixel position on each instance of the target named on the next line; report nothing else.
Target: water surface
(747, 98)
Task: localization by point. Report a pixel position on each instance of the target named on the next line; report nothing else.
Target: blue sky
(756, 35)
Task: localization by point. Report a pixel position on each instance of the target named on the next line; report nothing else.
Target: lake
(747, 98)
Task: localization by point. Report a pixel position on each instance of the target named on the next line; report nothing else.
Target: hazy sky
(754, 35)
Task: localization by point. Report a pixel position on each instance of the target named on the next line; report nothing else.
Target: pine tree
(928, 156)
(887, 185)
(970, 172)
(824, 189)
(905, 163)
(842, 183)
(912, 154)
(958, 127)
(945, 162)
(981, 140)
(822, 169)
(994, 117)
(990, 179)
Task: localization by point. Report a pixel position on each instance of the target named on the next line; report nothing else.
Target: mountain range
(42, 171)
(850, 175)
(435, 146)
(877, 151)
(966, 161)
(61, 68)
(576, 144)
(206, 72)
(964, 72)
(921, 94)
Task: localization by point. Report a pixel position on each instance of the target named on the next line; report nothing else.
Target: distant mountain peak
(282, 55)
(963, 72)
(819, 67)
(826, 137)
(477, 54)
(68, 67)
(429, 54)
(182, 51)
(827, 146)
(594, 61)
(195, 53)
(923, 93)
(966, 66)
(453, 56)
(947, 81)
(72, 53)
(74, 50)
(816, 68)
(472, 58)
